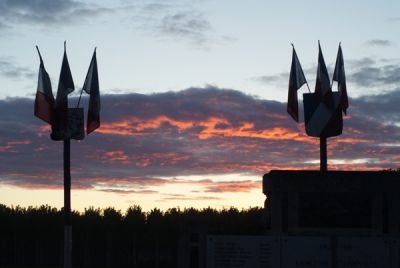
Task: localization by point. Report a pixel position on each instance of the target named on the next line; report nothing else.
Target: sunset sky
(193, 97)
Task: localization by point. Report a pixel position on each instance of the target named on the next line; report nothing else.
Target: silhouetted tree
(33, 236)
(134, 223)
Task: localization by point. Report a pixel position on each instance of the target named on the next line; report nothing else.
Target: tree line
(107, 237)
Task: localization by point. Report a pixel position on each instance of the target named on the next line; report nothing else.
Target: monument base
(332, 202)
(302, 251)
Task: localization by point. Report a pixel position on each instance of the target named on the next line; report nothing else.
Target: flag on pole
(44, 101)
(340, 77)
(323, 89)
(91, 87)
(65, 86)
(296, 80)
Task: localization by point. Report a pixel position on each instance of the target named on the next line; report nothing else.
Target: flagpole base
(67, 246)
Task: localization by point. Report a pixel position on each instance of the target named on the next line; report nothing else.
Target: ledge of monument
(331, 181)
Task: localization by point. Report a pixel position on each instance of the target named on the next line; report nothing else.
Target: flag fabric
(44, 101)
(340, 77)
(323, 89)
(65, 87)
(296, 80)
(91, 87)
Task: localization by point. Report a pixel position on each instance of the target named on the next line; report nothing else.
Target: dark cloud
(147, 140)
(379, 42)
(357, 63)
(2, 25)
(47, 12)
(191, 25)
(277, 79)
(282, 79)
(156, 7)
(381, 108)
(9, 69)
(374, 74)
(386, 75)
(177, 20)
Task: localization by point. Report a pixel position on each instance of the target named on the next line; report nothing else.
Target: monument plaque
(368, 252)
(242, 251)
(305, 251)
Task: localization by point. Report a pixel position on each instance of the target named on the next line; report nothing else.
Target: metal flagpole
(308, 87)
(67, 205)
(323, 154)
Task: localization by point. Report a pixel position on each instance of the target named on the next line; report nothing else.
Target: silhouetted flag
(323, 89)
(65, 86)
(340, 76)
(44, 101)
(91, 86)
(296, 80)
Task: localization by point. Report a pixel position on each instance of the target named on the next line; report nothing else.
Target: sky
(193, 97)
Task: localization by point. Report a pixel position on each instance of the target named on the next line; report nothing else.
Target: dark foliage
(33, 236)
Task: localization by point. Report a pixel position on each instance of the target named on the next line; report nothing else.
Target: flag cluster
(323, 90)
(55, 111)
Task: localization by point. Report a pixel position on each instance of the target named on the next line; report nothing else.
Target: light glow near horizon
(156, 197)
(193, 97)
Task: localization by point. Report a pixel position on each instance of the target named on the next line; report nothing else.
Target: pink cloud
(191, 132)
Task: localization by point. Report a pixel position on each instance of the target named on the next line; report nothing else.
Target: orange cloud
(116, 156)
(10, 146)
(210, 128)
(230, 186)
(44, 130)
(162, 119)
(246, 129)
(135, 126)
(116, 128)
